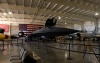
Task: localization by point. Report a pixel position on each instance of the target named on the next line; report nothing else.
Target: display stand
(85, 50)
(69, 57)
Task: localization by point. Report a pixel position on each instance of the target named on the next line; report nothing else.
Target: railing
(85, 47)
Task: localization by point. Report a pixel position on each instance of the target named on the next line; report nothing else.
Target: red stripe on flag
(30, 27)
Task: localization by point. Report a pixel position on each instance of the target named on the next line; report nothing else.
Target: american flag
(29, 28)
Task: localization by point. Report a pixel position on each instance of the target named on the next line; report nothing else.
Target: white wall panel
(14, 29)
(77, 27)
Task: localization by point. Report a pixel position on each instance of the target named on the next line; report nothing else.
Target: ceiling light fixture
(10, 12)
(75, 1)
(81, 3)
(96, 13)
(59, 17)
(4, 13)
(65, 23)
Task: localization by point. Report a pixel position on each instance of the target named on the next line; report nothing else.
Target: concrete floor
(47, 54)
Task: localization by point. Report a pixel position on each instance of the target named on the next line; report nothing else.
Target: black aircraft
(50, 29)
(53, 31)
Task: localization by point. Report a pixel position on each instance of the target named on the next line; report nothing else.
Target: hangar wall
(14, 29)
(7, 24)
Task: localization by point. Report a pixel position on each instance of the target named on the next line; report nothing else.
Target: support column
(82, 26)
(9, 28)
(96, 26)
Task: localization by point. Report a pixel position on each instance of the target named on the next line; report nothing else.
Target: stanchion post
(69, 57)
(46, 47)
(3, 46)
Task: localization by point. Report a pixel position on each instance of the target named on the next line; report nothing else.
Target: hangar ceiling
(37, 11)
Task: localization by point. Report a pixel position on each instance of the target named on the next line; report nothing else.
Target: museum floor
(47, 54)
